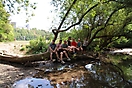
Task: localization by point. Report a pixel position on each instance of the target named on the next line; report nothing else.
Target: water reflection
(85, 74)
(124, 62)
(32, 83)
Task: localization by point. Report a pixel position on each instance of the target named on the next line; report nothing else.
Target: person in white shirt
(85, 43)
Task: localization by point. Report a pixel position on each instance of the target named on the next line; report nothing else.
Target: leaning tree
(102, 20)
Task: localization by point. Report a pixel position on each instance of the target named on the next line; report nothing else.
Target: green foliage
(102, 21)
(96, 48)
(123, 43)
(73, 34)
(129, 43)
(39, 45)
(23, 48)
(6, 30)
(25, 34)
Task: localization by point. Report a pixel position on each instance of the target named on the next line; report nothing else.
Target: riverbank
(10, 72)
(13, 47)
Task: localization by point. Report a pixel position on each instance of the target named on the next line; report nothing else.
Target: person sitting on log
(79, 45)
(85, 43)
(65, 50)
(53, 49)
(73, 46)
(62, 51)
(69, 41)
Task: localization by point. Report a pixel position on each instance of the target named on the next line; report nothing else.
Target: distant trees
(14, 7)
(25, 34)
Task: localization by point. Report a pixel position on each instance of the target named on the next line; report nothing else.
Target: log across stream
(23, 59)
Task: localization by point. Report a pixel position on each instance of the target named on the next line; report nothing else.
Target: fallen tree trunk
(25, 58)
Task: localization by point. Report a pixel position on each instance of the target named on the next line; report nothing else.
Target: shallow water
(84, 74)
(33, 83)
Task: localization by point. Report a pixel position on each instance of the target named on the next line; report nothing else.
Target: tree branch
(79, 19)
(107, 36)
(56, 31)
(66, 14)
(104, 24)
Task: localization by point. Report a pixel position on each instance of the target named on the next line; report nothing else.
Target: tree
(6, 30)
(98, 19)
(15, 7)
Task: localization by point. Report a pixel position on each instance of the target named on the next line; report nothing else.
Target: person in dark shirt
(61, 49)
(65, 50)
(53, 49)
(65, 45)
(69, 41)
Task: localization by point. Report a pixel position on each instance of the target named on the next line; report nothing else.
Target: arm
(50, 49)
(55, 49)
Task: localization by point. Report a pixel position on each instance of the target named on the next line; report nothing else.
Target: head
(79, 40)
(53, 41)
(69, 38)
(65, 41)
(73, 39)
(60, 41)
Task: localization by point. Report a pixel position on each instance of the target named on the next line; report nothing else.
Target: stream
(82, 74)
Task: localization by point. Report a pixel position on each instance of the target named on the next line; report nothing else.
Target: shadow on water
(124, 63)
(81, 74)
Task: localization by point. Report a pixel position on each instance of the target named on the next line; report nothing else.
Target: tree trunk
(24, 59)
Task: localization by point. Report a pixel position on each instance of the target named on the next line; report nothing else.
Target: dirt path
(13, 47)
(9, 73)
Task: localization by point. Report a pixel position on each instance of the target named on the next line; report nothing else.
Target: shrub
(38, 46)
(22, 49)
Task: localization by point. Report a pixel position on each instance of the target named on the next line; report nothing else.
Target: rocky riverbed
(11, 72)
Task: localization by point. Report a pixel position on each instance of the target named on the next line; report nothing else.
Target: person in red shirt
(73, 45)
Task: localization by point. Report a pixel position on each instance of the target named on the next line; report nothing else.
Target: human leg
(84, 50)
(66, 55)
(80, 50)
(61, 57)
(51, 53)
(57, 55)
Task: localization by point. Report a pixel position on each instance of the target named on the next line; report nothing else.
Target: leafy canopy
(104, 21)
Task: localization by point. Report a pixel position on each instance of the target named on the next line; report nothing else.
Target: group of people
(62, 49)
